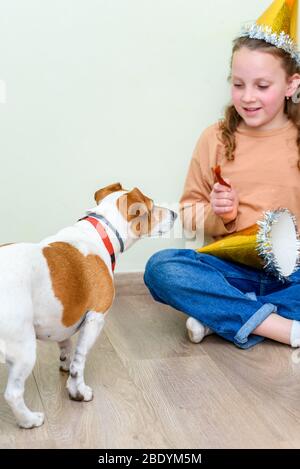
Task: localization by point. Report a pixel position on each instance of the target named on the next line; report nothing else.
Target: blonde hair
(231, 120)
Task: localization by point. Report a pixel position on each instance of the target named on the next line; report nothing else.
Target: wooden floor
(154, 389)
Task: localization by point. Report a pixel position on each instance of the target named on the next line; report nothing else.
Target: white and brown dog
(51, 289)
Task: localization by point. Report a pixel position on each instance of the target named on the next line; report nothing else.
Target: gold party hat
(281, 16)
(277, 26)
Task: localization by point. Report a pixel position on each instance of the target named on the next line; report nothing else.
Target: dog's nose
(173, 215)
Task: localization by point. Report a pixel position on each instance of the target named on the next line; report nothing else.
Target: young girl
(257, 145)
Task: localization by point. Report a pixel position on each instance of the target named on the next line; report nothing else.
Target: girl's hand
(224, 202)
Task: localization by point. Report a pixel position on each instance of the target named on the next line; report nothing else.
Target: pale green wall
(100, 91)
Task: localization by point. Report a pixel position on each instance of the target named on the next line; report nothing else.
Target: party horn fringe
(264, 242)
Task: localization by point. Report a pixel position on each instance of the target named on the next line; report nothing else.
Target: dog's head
(133, 212)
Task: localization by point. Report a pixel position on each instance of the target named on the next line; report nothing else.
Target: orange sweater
(264, 173)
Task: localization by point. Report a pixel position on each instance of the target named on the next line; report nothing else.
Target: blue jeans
(229, 298)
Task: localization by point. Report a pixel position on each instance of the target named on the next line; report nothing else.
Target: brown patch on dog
(81, 283)
(7, 244)
(101, 193)
(134, 204)
(136, 207)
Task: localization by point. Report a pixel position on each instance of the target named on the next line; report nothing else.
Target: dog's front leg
(89, 332)
(65, 354)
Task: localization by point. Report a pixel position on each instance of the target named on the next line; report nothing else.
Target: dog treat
(220, 180)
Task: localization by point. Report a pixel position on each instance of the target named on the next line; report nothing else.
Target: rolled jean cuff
(242, 339)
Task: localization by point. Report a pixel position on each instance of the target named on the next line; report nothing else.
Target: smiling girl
(257, 145)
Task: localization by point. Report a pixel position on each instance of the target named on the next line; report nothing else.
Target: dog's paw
(87, 392)
(35, 419)
(64, 362)
(79, 392)
(64, 366)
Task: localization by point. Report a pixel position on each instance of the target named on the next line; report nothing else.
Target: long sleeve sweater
(264, 173)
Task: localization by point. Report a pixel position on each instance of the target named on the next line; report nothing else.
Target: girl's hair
(231, 120)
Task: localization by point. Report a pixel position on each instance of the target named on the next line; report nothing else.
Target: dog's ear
(134, 204)
(101, 193)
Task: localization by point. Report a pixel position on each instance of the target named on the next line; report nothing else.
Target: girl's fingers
(223, 203)
(223, 199)
(221, 210)
(220, 188)
(224, 195)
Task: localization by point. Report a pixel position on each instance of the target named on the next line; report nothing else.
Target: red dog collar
(104, 236)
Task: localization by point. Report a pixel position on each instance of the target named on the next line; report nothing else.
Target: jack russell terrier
(51, 289)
